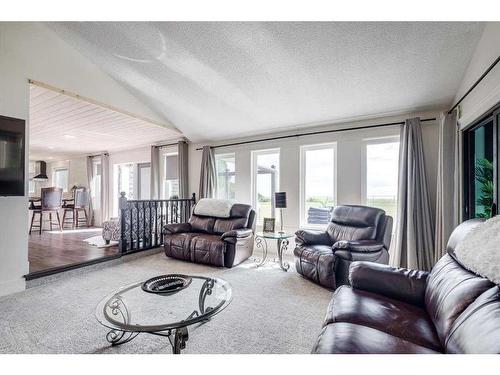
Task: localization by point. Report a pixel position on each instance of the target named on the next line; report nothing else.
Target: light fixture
(69, 136)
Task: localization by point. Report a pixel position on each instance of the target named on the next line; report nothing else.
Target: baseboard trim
(12, 286)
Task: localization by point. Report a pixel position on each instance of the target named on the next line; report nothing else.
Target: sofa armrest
(398, 283)
(312, 237)
(176, 228)
(237, 233)
(362, 246)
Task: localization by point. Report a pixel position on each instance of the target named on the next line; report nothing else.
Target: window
(95, 188)
(381, 187)
(265, 182)
(481, 160)
(226, 177)
(61, 179)
(170, 186)
(125, 179)
(318, 183)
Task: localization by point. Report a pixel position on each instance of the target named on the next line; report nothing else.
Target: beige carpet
(272, 312)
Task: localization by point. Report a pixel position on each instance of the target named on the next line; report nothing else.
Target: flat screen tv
(12, 147)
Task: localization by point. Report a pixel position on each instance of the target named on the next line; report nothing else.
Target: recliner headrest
(357, 216)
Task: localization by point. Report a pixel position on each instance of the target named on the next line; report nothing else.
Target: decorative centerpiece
(166, 284)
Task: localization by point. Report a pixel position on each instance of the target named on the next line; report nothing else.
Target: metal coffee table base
(177, 337)
(261, 243)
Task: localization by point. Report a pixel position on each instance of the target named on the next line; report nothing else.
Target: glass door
(144, 180)
(481, 163)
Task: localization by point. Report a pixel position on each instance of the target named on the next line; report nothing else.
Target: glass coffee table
(281, 242)
(130, 310)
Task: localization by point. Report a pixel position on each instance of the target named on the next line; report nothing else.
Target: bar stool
(51, 203)
(81, 200)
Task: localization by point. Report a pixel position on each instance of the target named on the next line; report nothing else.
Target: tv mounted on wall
(12, 148)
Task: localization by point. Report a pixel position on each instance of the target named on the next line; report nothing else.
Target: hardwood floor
(56, 249)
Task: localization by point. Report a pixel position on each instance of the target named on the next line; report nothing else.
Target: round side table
(282, 244)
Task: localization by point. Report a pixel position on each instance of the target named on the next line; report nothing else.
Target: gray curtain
(105, 177)
(207, 174)
(155, 172)
(90, 177)
(414, 242)
(447, 205)
(183, 169)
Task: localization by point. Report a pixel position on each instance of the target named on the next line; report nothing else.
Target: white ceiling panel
(64, 126)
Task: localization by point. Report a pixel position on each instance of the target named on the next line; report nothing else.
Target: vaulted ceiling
(218, 80)
(62, 126)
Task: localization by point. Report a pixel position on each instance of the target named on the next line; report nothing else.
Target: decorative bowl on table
(166, 284)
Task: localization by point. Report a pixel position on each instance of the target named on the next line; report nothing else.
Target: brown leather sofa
(355, 233)
(223, 242)
(395, 310)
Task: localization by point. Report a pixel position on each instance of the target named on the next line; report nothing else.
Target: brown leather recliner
(355, 233)
(223, 242)
(395, 310)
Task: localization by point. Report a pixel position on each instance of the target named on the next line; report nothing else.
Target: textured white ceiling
(217, 80)
(62, 126)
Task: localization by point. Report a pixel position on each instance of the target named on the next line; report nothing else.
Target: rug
(272, 311)
(99, 242)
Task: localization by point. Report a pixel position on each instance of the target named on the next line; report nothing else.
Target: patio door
(481, 168)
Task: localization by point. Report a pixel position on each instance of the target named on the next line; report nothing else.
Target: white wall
(487, 93)
(350, 148)
(31, 51)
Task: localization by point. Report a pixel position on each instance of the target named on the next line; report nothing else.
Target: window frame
(223, 155)
(253, 157)
(302, 175)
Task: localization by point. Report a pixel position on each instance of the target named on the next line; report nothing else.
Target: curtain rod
(96, 155)
(316, 133)
(475, 84)
(168, 144)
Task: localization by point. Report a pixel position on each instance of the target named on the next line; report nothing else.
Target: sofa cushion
(354, 223)
(316, 262)
(178, 245)
(346, 338)
(208, 249)
(477, 329)
(202, 224)
(225, 225)
(450, 290)
(394, 317)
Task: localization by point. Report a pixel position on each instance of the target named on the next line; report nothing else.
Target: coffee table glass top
(274, 235)
(132, 309)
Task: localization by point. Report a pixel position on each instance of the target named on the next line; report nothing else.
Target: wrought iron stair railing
(142, 221)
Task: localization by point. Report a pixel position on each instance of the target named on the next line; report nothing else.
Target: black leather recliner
(355, 233)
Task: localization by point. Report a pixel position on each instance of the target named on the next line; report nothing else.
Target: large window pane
(226, 177)
(125, 180)
(318, 184)
(170, 188)
(95, 188)
(265, 182)
(382, 176)
(61, 179)
(483, 187)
